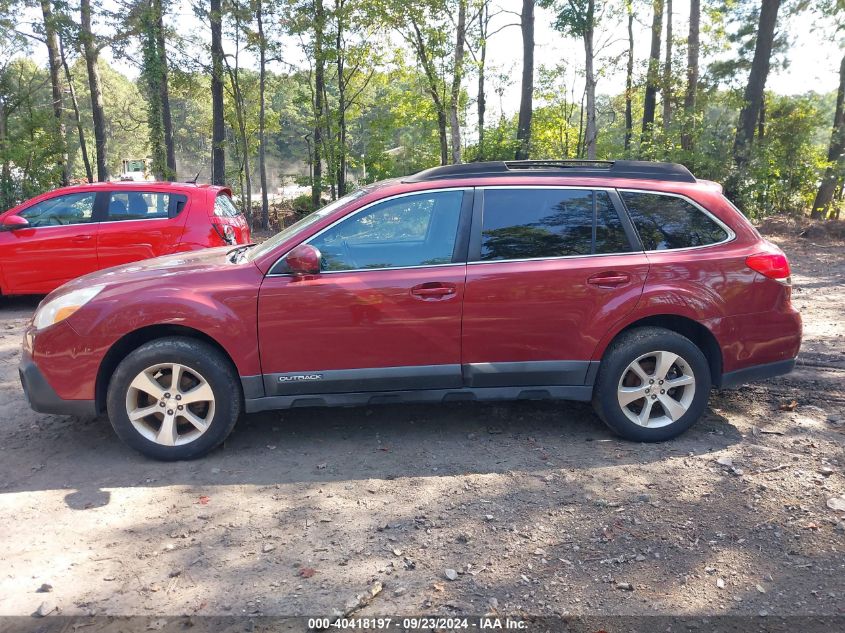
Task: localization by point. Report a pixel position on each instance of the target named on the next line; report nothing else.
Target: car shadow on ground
(365, 443)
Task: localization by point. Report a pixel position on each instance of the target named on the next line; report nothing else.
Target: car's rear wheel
(174, 398)
(652, 385)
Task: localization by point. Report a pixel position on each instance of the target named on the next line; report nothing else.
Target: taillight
(225, 231)
(772, 265)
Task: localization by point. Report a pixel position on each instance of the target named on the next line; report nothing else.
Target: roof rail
(634, 169)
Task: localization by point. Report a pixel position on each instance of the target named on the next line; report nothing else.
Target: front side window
(668, 222)
(543, 223)
(415, 230)
(75, 208)
(138, 205)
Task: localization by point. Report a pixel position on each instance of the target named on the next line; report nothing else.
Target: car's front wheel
(652, 385)
(174, 398)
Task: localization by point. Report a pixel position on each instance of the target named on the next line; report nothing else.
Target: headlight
(63, 306)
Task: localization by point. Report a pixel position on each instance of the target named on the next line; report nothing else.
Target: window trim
(171, 205)
(478, 217)
(731, 235)
(460, 237)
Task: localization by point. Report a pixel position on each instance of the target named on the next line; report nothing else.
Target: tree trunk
(151, 73)
(835, 171)
(340, 177)
(218, 124)
(7, 193)
(164, 92)
(481, 102)
(92, 53)
(652, 78)
(688, 132)
(591, 131)
(526, 103)
(55, 64)
(457, 76)
(667, 74)
(442, 123)
(319, 88)
(755, 89)
(262, 150)
(79, 129)
(629, 79)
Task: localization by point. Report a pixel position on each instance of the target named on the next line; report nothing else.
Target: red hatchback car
(72, 231)
(630, 284)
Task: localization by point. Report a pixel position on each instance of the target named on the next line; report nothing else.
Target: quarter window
(668, 222)
(139, 205)
(417, 230)
(224, 207)
(542, 223)
(75, 208)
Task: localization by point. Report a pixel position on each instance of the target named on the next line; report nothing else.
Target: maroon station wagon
(629, 284)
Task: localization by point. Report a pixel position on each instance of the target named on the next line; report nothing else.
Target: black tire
(211, 364)
(630, 346)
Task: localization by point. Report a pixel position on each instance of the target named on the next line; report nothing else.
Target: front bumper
(43, 398)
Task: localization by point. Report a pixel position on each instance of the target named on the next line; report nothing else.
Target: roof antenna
(193, 180)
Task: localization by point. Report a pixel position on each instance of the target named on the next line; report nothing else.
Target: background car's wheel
(652, 385)
(174, 398)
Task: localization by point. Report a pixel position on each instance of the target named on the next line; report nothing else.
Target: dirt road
(532, 508)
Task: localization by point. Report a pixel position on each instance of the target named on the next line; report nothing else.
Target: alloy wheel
(656, 389)
(170, 404)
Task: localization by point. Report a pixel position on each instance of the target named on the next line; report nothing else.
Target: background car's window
(539, 223)
(75, 208)
(666, 222)
(417, 230)
(138, 205)
(224, 207)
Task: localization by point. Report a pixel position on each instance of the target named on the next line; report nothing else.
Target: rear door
(60, 244)
(551, 270)
(138, 224)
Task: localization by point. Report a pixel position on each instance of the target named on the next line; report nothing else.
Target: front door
(385, 311)
(550, 271)
(60, 244)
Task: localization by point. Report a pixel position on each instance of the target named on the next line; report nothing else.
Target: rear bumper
(43, 398)
(756, 372)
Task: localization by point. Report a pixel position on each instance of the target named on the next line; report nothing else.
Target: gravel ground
(524, 508)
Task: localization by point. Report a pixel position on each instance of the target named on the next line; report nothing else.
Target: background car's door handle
(433, 290)
(82, 238)
(609, 279)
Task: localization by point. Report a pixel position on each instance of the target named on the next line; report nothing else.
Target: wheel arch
(135, 339)
(694, 330)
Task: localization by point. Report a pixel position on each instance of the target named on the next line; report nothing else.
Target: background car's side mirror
(12, 222)
(304, 260)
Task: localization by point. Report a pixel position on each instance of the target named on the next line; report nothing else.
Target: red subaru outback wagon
(630, 284)
(72, 231)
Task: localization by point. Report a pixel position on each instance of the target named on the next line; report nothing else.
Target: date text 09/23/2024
(417, 623)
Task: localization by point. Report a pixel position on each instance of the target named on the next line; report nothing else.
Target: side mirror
(304, 260)
(12, 222)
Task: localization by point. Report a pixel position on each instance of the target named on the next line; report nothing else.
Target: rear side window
(224, 207)
(542, 223)
(667, 222)
(143, 205)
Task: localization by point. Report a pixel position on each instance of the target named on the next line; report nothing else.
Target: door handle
(82, 238)
(609, 279)
(433, 290)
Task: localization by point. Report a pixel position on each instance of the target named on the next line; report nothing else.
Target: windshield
(308, 220)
